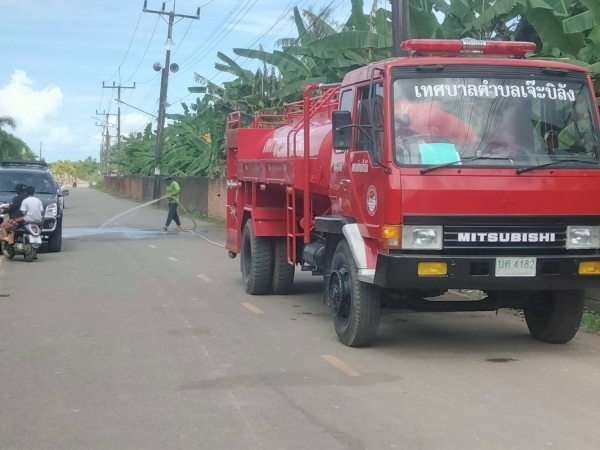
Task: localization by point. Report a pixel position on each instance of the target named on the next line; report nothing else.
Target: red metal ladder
(291, 221)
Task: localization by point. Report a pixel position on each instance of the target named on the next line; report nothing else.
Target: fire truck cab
(462, 178)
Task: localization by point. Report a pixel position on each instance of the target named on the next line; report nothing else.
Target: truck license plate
(35, 239)
(516, 267)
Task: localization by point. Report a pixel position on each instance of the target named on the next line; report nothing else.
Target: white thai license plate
(516, 267)
(35, 239)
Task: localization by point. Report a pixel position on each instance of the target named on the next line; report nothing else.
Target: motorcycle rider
(14, 214)
(32, 207)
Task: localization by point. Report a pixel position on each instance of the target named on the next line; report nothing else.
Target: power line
(218, 27)
(145, 52)
(128, 47)
(223, 36)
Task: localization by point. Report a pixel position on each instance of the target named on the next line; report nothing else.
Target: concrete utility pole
(164, 84)
(119, 88)
(41, 143)
(400, 25)
(106, 148)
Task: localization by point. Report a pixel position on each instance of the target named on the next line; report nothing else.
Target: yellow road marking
(173, 259)
(252, 308)
(203, 277)
(152, 246)
(341, 365)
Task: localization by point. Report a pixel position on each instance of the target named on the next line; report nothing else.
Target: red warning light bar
(456, 46)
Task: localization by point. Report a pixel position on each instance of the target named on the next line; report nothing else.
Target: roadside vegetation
(11, 147)
(591, 322)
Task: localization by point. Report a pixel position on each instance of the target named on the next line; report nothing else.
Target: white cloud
(30, 108)
(60, 135)
(131, 122)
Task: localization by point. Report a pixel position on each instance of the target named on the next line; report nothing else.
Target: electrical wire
(145, 52)
(129, 46)
(219, 26)
(183, 38)
(225, 31)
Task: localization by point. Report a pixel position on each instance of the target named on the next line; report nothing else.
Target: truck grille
(495, 237)
(504, 235)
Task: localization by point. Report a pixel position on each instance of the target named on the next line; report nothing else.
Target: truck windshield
(521, 122)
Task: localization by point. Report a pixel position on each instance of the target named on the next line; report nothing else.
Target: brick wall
(197, 194)
(217, 199)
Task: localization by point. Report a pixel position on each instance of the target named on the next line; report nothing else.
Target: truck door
(340, 192)
(367, 176)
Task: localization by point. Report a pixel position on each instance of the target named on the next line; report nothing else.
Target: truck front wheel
(256, 261)
(356, 305)
(554, 317)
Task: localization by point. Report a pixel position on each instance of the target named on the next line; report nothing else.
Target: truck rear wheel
(283, 272)
(554, 317)
(256, 261)
(355, 305)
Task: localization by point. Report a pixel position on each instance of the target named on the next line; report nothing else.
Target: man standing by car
(14, 212)
(173, 196)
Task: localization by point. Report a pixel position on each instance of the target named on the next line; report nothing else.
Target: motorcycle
(28, 239)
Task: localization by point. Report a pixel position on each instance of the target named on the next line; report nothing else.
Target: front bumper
(471, 272)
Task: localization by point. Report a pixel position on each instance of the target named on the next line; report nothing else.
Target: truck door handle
(344, 181)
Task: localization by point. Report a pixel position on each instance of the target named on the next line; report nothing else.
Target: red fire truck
(464, 177)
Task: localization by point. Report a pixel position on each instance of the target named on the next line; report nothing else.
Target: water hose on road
(195, 226)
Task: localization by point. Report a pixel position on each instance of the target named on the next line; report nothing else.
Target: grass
(590, 322)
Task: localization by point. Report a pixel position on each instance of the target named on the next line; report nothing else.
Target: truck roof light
(456, 46)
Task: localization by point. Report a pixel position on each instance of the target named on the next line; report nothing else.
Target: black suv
(36, 174)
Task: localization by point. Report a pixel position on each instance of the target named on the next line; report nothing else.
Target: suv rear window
(41, 181)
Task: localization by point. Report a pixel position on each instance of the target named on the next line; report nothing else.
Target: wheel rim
(340, 293)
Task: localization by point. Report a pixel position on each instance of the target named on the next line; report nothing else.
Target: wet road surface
(132, 338)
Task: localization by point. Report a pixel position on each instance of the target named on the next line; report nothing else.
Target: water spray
(186, 230)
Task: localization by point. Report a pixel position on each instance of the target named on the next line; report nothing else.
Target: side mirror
(64, 192)
(341, 129)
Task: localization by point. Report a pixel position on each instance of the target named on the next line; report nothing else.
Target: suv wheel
(55, 239)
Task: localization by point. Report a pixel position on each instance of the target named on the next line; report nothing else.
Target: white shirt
(33, 209)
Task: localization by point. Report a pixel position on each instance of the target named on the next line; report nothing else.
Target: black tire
(555, 317)
(30, 255)
(55, 239)
(357, 318)
(8, 250)
(283, 272)
(256, 262)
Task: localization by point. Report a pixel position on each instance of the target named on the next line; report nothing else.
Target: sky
(56, 54)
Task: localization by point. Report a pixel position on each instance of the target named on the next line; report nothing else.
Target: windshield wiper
(473, 158)
(521, 170)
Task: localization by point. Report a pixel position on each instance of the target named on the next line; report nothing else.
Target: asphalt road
(132, 338)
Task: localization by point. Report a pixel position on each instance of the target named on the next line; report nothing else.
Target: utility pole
(119, 88)
(41, 143)
(400, 25)
(107, 144)
(164, 85)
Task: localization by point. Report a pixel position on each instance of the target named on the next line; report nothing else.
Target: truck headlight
(51, 210)
(418, 237)
(583, 237)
